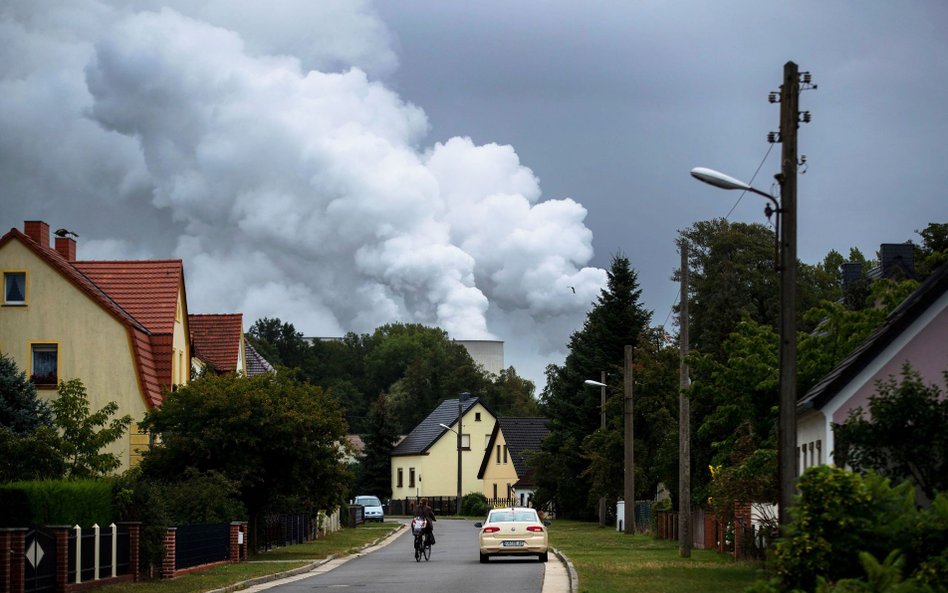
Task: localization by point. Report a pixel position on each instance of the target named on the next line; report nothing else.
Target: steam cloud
(262, 147)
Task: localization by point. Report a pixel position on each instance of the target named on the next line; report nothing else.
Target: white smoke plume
(259, 143)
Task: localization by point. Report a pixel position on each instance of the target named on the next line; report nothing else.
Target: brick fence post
(14, 559)
(233, 551)
(134, 547)
(61, 535)
(170, 545)
(245, 543)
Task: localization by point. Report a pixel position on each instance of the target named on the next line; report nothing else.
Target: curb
(302, 569)
(573, 576)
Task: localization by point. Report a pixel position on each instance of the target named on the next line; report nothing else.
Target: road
(453, 568)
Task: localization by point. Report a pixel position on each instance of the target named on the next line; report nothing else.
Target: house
(425, 463)
(915, 332)
(121, 327)
(218, 342)
(504, 470)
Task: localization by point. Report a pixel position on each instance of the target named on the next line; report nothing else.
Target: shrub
(474, 504)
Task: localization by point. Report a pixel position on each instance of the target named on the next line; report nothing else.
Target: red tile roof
(151, 375)
(216, 339)
(147, 289)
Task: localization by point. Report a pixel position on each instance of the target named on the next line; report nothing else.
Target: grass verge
(609, 562)
(341, 543)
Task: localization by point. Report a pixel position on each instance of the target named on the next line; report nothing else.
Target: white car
(372, 508)
(513, 531)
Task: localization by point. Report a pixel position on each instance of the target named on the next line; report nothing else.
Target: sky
(468, 165)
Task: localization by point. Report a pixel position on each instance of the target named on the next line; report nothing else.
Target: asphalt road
(453, 568)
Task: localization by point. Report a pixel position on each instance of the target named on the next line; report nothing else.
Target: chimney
(66, 247)
(852, 271)
(38, 231)
(898, 259)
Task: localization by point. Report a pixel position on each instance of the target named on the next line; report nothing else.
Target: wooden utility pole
(602, 424)
(787, 426)
(684, 418)
(629, 485)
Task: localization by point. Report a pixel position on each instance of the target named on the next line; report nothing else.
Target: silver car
(372, 507)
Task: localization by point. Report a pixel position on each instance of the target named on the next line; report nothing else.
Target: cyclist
(424, 511)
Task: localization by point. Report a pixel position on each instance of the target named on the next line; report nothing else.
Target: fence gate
(40, 571)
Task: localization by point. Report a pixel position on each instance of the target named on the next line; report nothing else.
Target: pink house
(915, 332)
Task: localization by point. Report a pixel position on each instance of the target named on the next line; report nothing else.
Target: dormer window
(14, 288)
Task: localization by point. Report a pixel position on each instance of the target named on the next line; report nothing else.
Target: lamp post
(461, 398)
(786, 236)
(602, 424)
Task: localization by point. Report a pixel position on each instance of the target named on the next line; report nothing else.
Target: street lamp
(787, 255)
(602, 424)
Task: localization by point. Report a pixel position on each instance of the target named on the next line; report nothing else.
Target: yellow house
(425, 463)
(121, 327)
(507, 479)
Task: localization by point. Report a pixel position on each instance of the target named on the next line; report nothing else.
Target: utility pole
(602, 424)
(629, 484)
(787, 426)
(684, 418)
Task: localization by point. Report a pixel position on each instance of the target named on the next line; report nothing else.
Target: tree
(84, 433)
(21, 411)
(617, 319)
(379, 442)
(280, 440)
(509, 394)
(934, 249)
(904, 436)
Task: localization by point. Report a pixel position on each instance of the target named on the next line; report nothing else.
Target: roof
(521, 435)
(895, 323)
(255, 362)
(147, 289)
(216, 339)
(429, 430)
(141, 338)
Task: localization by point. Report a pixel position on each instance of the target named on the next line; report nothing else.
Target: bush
(842, 518)
(56, 502)
(474, 505)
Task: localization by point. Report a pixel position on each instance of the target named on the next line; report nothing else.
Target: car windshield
(508, 516)
(368, 501)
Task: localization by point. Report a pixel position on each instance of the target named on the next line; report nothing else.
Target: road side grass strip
(280, 560)
(608, 562)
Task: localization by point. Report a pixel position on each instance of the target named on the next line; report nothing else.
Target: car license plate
(513, 543)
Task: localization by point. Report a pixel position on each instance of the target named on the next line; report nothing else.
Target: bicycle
(422, 540)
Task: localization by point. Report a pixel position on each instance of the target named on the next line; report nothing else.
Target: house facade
(119, 327)
(915, 332)
(504, 471)
(425, 463)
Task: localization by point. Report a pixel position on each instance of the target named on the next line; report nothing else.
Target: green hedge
(56, 502)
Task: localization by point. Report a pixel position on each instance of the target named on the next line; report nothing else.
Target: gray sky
(469, 165)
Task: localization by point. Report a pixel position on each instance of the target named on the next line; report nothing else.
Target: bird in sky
(65, 233)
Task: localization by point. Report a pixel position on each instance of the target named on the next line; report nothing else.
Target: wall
(499, 474)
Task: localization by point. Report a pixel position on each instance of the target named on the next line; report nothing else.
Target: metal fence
(201, 544)
(283, 530)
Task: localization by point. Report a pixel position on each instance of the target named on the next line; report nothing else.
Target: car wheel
(544, 556)
(484, 558)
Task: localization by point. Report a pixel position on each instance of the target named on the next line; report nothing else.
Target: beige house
(121, 327)
(506, 477)
(425, 463)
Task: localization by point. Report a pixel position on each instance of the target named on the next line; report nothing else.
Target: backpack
(418, 525)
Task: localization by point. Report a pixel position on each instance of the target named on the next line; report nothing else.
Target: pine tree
(21, 410)
(616, 320)
(379, 442)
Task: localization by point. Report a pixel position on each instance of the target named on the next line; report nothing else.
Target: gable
(429, 430)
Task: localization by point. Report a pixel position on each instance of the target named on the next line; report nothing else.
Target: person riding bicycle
(424, 511)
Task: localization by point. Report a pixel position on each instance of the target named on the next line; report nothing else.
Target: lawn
(343, 542)
(610, 562)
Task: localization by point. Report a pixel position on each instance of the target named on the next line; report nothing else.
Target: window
(14, 288)
(477, 416)
(45, 369)
(498, 456)
(495, 491)
(411, 477)
(466, 441)
(505, 453)
(401, 478)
